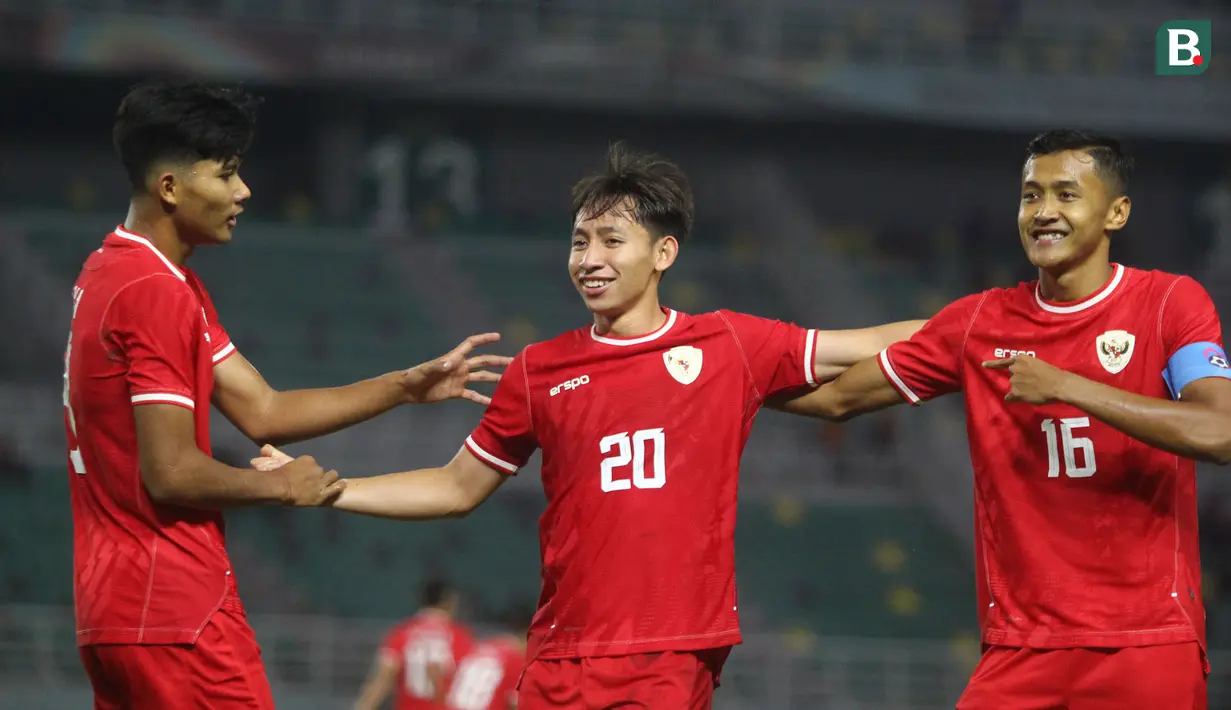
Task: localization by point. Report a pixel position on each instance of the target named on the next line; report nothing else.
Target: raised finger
(475, 341)
(479, 361)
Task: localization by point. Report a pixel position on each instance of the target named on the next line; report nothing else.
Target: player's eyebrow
(1057, 185)
(601, 231)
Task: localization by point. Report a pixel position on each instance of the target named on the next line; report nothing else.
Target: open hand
(449, 376)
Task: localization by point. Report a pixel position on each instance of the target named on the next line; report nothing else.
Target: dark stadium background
(855, 162)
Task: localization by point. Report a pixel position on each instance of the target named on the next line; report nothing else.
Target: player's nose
(1048, 210)
(591, 260)
(243, 193)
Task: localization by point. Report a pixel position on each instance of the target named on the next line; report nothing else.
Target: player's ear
(167, 185)
(666, 248)
(1117, 213)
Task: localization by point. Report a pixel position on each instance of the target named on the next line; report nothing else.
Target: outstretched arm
(266, 415)
(451, 491)
(379, 683)
(861, 389)
(838, 350)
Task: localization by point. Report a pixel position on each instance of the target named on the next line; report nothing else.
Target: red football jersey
(1085, 537)
(143, 331)
(641, 441)
(428, 638)
(487, 677)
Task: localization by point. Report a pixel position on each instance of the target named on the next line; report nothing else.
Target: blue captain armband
(1194, 362)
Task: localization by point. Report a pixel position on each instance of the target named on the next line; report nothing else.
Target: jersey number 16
(1071, 445)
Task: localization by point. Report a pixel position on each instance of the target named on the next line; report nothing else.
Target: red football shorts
(222, 670)
(1170, 677)
(671, 680)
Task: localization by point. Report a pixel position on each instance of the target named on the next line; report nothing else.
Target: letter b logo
(1182, 48)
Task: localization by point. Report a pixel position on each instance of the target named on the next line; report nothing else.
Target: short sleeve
(153, 323)
(929, 364)
(391, 647)
(1192, 336)
(505, 438)
(779, 355)
(220, 343)
(1189, 317)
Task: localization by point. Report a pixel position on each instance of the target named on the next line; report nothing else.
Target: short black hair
(659, 191)
(435, 592)
(182, 121)
(1112, 161)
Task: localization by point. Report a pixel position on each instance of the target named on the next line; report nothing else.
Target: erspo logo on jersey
(1009, 352)
(570, 385)
(1217, 357)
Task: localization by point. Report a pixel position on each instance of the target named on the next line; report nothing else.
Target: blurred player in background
(642, 419)
(419, 656)
(159, 622)
(1088, 395)
(486, 678)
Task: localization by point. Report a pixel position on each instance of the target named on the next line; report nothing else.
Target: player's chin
(594, 301)
(1044, 256)
(224, 234)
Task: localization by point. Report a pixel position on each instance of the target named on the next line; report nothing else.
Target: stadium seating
(878, 570)
(826, 570)
(276, 291)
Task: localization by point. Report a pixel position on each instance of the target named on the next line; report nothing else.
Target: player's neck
(1075, 284)
(642, 319)
(159, 229)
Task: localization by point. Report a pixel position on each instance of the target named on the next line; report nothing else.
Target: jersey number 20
(631, 449)
(1071, 445)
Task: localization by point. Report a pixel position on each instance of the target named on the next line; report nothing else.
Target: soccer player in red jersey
(159, 622)
(419, 656)
(1089, 393)
(641, 419)
(486, 679)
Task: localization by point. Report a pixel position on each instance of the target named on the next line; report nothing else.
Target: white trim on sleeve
(164, 398)
(810, 357)
(895, 380)
(218, 356)
(493, 460)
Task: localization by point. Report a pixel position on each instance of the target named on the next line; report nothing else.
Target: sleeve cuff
(894, 379)
(164, 398)
(227, 351)
(490, 459)
(810, 357)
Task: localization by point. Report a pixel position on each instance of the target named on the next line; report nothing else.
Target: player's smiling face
(1066, 210)
(615, 262)
(207, 197)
